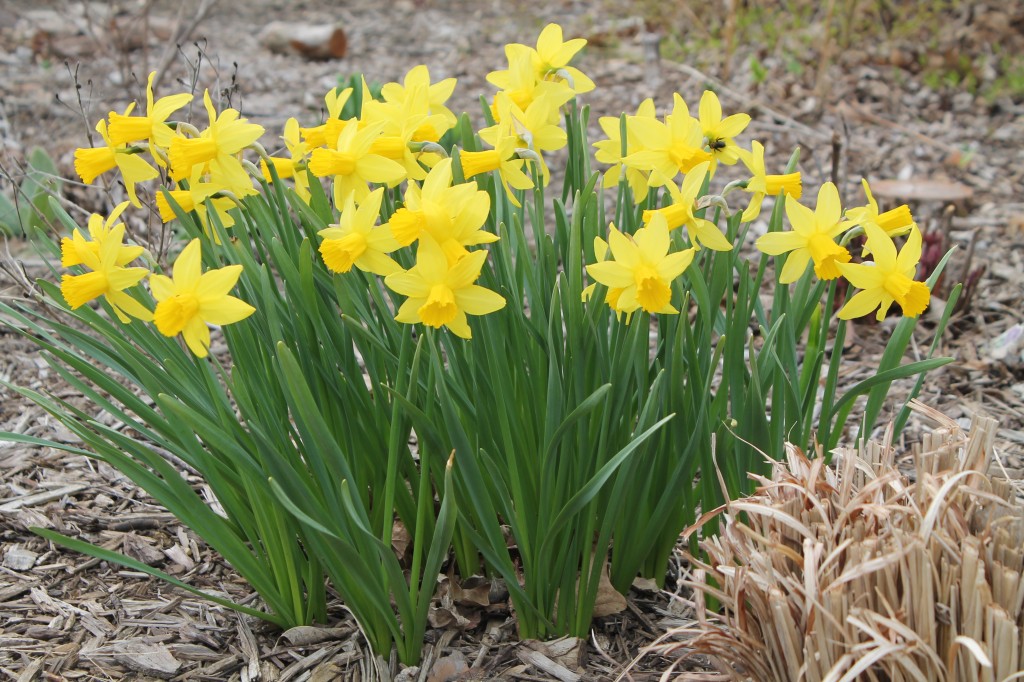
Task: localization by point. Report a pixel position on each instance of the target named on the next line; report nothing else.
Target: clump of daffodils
(393, 147)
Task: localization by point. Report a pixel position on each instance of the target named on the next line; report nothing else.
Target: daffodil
(452, 216)
(550, 60)
(442, 295)
(520, 81)
(326, 134)
(610, 151)
(215, 150)
(895, 222)
(355, 241)
(505, 159)
(192, 299)
(532, 129)
(417, 86)
(642, 268)
(669, 148)
(720, 132)
(105, 255)
(889, 279)
(152, 126)
(762, 184)
(812, 238)
(91, 162)
(680, 212)
(294, 165)
(200, 197)
(351, 165)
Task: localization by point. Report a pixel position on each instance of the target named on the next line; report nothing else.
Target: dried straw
(858, 572)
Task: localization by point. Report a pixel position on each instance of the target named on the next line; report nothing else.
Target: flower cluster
(396, 138)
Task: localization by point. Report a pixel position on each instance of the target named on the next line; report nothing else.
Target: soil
(864, 109)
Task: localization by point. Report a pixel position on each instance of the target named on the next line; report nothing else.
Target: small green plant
(30, 212)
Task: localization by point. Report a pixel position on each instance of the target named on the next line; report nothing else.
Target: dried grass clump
(854, 572)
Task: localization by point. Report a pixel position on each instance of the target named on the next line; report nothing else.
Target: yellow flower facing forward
(610, 151)
(355, 241)
(151, 127)
(669, 148)
(441, 295)
(895, 222)
(352, 167)
(642, 268)
(452, 216)
(762, 184)
(680, 212)
(92, 162)
(890, 279)
(215, 150)
(105, 256)
(192, 299)
(720, 132)
(294, 165)
(812, 238)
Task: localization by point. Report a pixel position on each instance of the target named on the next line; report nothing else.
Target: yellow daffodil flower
(642, 268)
(895, 222)
(890, 279)
(610, 151)
(215, 150)
(452, 216)
(417, 87)
(550, 60)
(812, 238)
(532, 129)
(294, 165)
(105, 255)
(762, 184)
(669, 148)
(680, 212)
(520, 82)
(356, 241)
(441, 295)
(191, 299)
(92, 162)
(151, 127)
(200, 197)
(326, 134)
(504, 159)
(351, 166)
(720, 132)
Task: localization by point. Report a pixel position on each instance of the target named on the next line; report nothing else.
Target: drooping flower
(201, 196)
(105, 255)
(441, 295)
(151, 126)
(355, 241)
(351, 165)
(889, 279)
(762, 184)
(812, 238)
(192, 299)
(91, 162)
(681, 212)
(642, 268)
